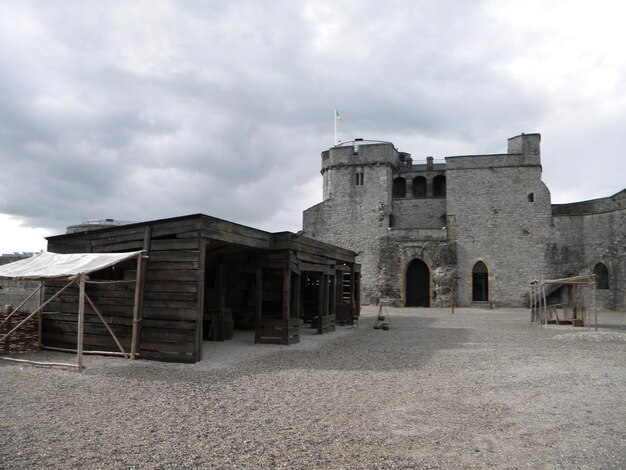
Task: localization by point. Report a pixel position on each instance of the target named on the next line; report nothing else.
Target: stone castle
(483, 222)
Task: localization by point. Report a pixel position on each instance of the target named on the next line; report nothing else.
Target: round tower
(357, 183)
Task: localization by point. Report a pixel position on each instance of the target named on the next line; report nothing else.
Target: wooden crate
(324, 324)
(270, 331)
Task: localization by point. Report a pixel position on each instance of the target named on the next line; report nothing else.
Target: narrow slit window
(531, 197)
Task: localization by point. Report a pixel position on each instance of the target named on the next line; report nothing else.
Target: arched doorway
(418, 284)
(480, 283)
(602, 276)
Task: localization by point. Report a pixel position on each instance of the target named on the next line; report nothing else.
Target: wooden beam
(42, 286)
(200, 306)
(352, 286)
(81, 321)
(286, 293)
(320, 303)
(259, 294)
(333, 295)
(140, 282)
(38, 363)
(39, 309)
(325, 279)
(106, 325)
(16, 309)
(295, 303)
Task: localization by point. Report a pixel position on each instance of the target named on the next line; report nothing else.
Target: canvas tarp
(47, 265)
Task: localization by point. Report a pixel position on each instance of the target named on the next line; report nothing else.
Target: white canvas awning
(47, 265)
(72, 268)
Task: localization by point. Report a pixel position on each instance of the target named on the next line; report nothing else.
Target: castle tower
(357, 188)
(483, 222)
(502, 211)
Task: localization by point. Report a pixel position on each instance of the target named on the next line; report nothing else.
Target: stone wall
(503, 217)
(591, 232)
(14, 292)
(496, 210)
(355, 216)
(419, 213)
(397, 253)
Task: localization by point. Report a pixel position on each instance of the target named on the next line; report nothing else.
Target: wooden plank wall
(60, 317)
(221, 230)
(171, 298)
(173, 291)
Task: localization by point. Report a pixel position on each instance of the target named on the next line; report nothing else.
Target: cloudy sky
(149, 109)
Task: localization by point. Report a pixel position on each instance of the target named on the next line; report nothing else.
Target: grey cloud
(139, 110)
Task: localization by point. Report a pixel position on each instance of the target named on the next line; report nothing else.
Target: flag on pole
(337, 119)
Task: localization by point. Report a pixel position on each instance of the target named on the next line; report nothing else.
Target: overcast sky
(150, 109)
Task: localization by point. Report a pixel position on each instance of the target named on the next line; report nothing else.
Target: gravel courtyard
(478, 389)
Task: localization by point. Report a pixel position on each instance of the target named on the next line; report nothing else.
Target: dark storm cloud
(140, 110)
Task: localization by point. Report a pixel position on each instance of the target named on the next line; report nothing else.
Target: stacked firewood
(24, 339)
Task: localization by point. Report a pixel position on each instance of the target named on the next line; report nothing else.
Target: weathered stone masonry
(486, 220)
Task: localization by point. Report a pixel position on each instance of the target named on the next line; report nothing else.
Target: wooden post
(595, 307)
(42, 286)
(352, 286)
(573, 299)
(320, 296)
(452, 289)
(530, 302)
(259, 294)
(140, 282)
(135, 328)
(221, 286)
(333, 294)
(201, 299)
(320, 303)
(286, 293)
(545, 303)
(81, 321)
(295, 301)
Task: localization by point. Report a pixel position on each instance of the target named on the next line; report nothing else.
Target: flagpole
(335, 119)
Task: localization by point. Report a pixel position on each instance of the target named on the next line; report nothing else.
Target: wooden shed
(201, 278)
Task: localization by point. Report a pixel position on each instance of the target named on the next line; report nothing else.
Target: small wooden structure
(575, 311)
(203, 277)
(70, 270)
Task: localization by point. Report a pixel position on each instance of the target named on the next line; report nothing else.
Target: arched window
(399, 187)
(480, 283)
(419, 186)
(439, 186)
(602, 276)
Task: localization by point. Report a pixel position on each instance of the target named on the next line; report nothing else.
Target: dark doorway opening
(418, 284)
(480, 283)
(602, 276)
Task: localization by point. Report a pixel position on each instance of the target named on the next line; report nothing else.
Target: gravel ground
(478, 389)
